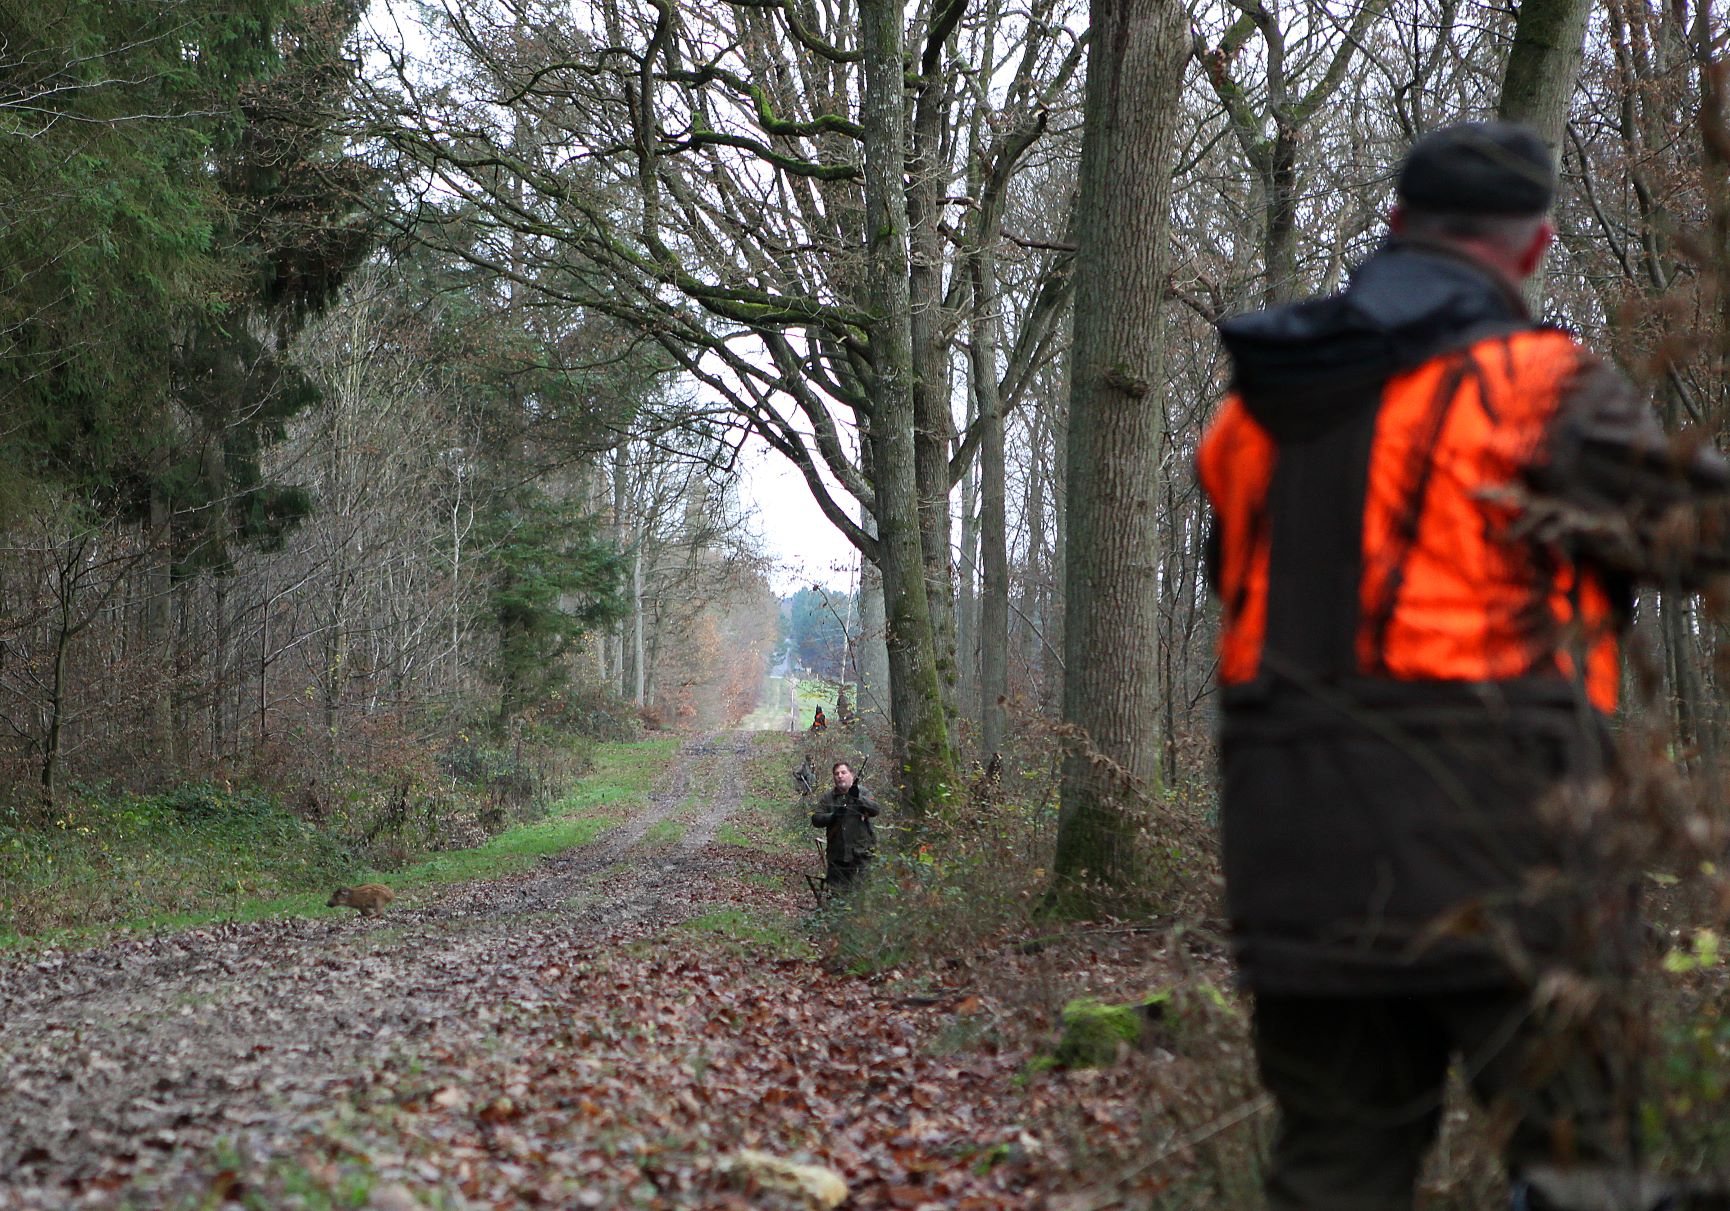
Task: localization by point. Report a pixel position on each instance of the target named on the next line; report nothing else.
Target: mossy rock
(1189, 1018)
(1096, 1033)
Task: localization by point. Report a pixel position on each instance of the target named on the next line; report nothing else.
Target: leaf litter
(553, 1039)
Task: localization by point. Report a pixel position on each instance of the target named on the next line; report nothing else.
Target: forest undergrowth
(618, 1005)
(1176, 1117)
(276, 836)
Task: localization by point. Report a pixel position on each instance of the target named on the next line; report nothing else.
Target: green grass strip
(220, 858)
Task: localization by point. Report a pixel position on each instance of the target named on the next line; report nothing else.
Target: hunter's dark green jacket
(847, 816)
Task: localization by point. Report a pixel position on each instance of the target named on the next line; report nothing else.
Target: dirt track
(124, 1065)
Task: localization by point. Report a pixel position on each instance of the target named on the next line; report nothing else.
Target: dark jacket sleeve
(825, 813)
(1611, 486)
(866, 804)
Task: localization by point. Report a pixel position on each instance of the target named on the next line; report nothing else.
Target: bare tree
(701, 177)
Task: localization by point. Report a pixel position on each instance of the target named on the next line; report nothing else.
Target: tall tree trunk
(870, 652)
(1031, 645)
(265, 600)
(218, 542)
(1544, 65)
(63, 631)
(1197, 637)
(638, 664)
(967, 592)
(621, 497)
(1681, 662)
(1111, 616)
(1279, 240)
(219, 666)
(335, 659)
(932, 421)
(652, 658)
(159, 631)
(926, 759)
(1051, 600)
(993, 522)
(1170, 584)
(183, 701)
(1538, 82)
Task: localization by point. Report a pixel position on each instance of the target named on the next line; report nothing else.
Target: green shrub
(105, 858)
(205, 802)
(593, 713)
(958, 883)
(499, 771)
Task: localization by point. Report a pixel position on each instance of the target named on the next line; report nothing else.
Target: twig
(1107, 1197)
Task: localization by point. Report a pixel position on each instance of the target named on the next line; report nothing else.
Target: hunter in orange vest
(1411, 667)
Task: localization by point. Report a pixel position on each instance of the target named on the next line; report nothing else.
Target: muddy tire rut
(126, 1063)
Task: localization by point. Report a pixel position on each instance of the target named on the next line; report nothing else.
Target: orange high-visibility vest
(1443, 594)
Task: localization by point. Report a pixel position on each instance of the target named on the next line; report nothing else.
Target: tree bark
(1171, 583)
(1538, 82)
(335, 660)
(1279, 242)
(63, 631)
(870, 652)
(1035, 568)
(621, 498)
(221, 642)
(926, 760)
(638, 666)
(1543, 65)
(1051, 588)
(159, 630)
(967, 590)
(932, 421)
(1111, 616)
(993, 523)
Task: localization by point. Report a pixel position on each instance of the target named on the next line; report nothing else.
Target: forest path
(126, 1061)
(611, 1028)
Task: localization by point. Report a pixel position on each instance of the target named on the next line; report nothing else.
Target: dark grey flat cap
(1487, 168)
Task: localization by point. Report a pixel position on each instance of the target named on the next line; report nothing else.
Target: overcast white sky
(806, 549)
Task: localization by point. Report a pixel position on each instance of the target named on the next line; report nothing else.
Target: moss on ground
(1095, 1033)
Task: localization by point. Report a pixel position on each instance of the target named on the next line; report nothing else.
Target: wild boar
(370, 898)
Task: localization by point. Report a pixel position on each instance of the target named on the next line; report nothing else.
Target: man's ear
(1533, 256)
(1397, 219)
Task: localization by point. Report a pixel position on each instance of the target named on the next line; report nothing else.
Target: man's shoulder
(1540, 363)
